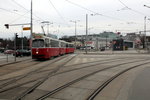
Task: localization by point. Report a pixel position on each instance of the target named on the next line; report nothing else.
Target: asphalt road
(141, 86)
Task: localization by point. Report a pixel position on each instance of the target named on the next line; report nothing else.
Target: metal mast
(31, 30)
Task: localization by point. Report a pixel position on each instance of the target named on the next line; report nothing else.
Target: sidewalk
(4, 59)
(130, 51)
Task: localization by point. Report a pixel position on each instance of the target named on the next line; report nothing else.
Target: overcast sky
(109, 15)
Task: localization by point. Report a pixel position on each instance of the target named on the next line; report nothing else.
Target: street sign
(26, 28)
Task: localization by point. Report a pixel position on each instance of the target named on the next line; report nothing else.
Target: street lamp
(145, 26)
(86, 32)
(75, 21)
(146, 6)
(145, 31)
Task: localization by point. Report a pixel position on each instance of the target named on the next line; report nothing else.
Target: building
(96, 41)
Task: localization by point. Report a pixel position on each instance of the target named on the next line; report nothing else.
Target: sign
(89, 42)
(26, 28)
(37, 36)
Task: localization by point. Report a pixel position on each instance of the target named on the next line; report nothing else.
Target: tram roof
(42, 36)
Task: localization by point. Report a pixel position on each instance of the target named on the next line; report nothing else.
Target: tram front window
(38, 43)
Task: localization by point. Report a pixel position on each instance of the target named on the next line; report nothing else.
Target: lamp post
(86, 32)
(145, 28)
(146, 6)
(22, 37)
(75, 21)
(145, 32)
(31, 30)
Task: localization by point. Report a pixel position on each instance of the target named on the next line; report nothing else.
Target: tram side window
(63, 44)
(67, 45)
(54, 43)
(71, 45)
(38, 43)
(46, 42)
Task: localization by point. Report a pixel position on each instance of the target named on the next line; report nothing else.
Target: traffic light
(16, 35)
(7, 26)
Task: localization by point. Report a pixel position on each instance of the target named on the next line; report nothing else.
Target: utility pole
(31, 30)
(15, 42)
(106, 41)
(145, 33)
(22, 37)
(86, 32)
(75, 32)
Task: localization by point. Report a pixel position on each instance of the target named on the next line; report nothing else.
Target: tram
(44, 47)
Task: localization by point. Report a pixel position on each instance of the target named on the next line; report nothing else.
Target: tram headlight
(37, 52)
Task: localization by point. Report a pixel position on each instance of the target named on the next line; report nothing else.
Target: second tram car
(44, 47)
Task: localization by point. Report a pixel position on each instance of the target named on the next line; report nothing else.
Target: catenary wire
(26, 9)
(132, 9)
(58, 12)
(93, 11)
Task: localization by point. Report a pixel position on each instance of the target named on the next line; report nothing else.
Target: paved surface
(6, 59)
(133, 85)
(131, 51)
(141, 86)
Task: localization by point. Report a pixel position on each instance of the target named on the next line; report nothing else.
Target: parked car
(22, 53)
(2, 50)
(8, 51)
(102, 49)
(88, 48)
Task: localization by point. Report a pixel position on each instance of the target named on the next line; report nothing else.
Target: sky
(123, 16)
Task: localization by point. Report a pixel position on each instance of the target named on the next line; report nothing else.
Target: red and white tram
(44, 47)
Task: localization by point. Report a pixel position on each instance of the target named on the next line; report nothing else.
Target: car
(8, 51)
(22, 53)
(102, 49)
(2, 50)
(84, 48)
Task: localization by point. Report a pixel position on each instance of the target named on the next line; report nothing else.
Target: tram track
(20, 77)
(39, 80)
(16, 67)
(88, 64)
(16, 78)
(43, 80)
(55, 91)
(80, 78)
(51, 62)
(101, 87)
(14, 62)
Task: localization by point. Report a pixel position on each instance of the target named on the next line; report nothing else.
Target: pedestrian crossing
(79, 60)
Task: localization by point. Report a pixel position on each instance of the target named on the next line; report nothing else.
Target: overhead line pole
(86, 32)
(31, 30)
(145, 45)
(75, 32)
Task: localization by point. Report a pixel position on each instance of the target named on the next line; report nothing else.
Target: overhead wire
(16, 14)
(131, 8)
(26, 9)
(19, 5)
(9, 11)
(96, 13)
(124, 4)
(18, 18)
(58, 12)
